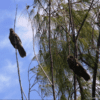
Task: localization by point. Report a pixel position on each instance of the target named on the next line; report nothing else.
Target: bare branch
(22, 92)
(35, 53)
(51, 59)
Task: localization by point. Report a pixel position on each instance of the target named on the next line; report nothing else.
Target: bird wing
(79, 66)
(17, 38)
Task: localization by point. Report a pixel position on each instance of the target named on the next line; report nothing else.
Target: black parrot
(16, 42)
(77, 68)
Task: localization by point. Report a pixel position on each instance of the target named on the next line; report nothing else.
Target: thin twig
(22, 92)
(17, 57)
(42, 6)
(38, 93)
(29, 81)
(51, 59)
(34, 50)
(96, 61)
(75, 43)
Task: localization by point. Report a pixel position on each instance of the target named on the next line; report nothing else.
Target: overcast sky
(9, 84)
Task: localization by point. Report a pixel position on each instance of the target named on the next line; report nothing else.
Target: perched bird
(16, 42)
(77, 68)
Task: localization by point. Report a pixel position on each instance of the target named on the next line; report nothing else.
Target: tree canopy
(63, 28)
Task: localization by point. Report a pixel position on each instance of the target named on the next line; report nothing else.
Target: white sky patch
(10, 95)
(4, 43)
(17, 1)
(12, 68)
(23, 22)
(6, 14)
(9, 75)
(24, 28)
(4, 82)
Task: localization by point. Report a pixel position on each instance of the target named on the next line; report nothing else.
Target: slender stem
(29, 81)
(19, 75)
(96, 63)
(17, 57)
(75, 49)
(35, 53)
(51, 60)
(94, 75)
(22, 92)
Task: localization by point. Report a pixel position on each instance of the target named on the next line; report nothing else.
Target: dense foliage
(73, 32)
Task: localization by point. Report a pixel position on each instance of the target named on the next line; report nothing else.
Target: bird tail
(86, 76)
(21, 51)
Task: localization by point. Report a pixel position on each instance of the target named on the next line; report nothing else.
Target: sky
(9, 84)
